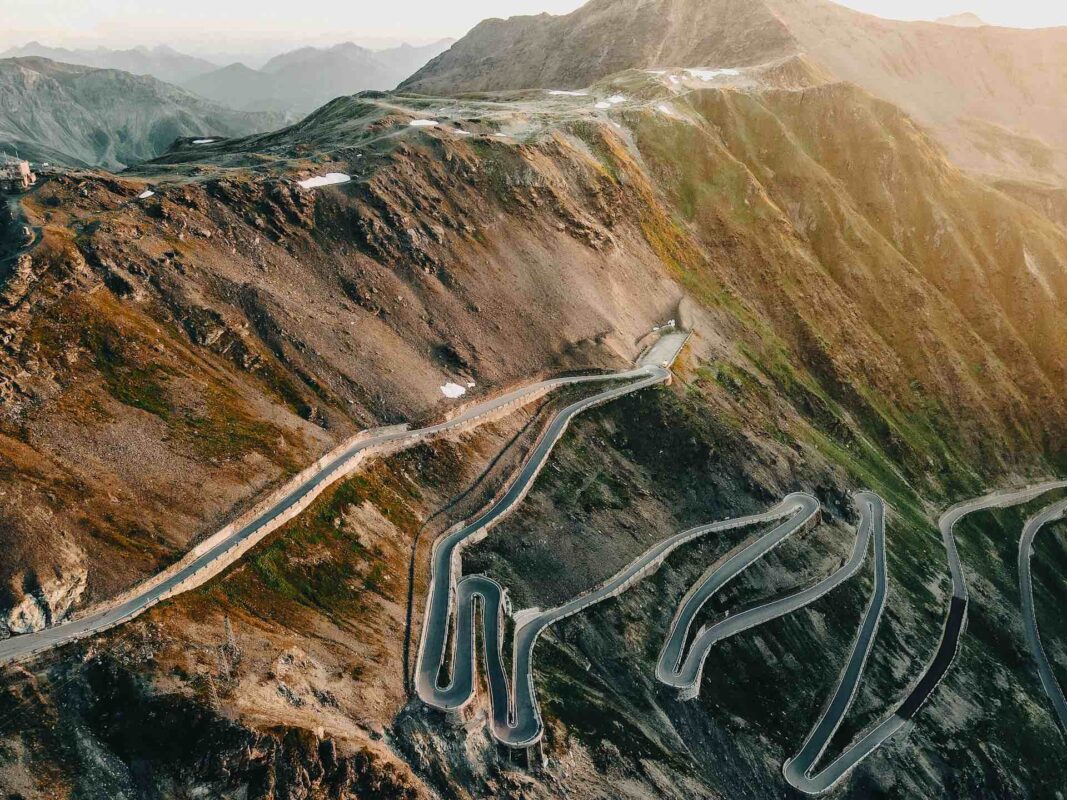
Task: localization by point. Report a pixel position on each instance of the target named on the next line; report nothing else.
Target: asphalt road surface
(798, 769)
(684, 671)
(530, 624)
(938, 667)
(1026, 590)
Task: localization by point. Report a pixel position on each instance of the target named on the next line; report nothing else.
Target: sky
(203, 26)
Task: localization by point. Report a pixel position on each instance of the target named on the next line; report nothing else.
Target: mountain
(160, 62)
(405, 59)
(304, 79)
(241, 87)
(865, 314)
(103, 117)
(991, 95)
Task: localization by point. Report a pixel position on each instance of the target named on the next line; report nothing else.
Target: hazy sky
(235, 24)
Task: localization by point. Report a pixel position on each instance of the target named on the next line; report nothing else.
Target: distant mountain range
(304, 79)
(994, 96)
(298, 81)
(79, 115)
(161, 62)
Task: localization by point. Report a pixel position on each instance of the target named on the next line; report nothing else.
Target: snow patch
(145, 194)
(204, 141)
(711, 74)
(423, 123)
(453, 390)
(461, 132)
(668, 110)
(328, 179)
(614, 100)
(565, 93)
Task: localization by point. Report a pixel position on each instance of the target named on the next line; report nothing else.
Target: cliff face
(864, 314)
(991, 95)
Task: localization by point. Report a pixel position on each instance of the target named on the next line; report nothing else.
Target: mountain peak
(604, 37)
(937, 76)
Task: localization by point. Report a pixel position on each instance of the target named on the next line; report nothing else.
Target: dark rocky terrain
(865, 314)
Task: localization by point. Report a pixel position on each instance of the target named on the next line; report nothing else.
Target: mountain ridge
(304, 79)
(161, 62)
(990, 94)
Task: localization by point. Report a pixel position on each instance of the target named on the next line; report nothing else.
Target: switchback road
(232, 542)
(1026, 590)
(515, 718)
(798, 770)
(451, 597)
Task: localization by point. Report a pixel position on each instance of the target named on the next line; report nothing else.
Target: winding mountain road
(451, 596)
(232, 542)
(1026, 591)
(798, 770)
(466, 600)
(517, 721)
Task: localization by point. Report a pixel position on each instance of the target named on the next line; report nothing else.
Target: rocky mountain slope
(302, 80)
(991, 95)
(898, 327)
(77, 115)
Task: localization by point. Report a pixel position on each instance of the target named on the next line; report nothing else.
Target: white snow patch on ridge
(204, 141)
(614, 100)
(423, 123)
(328, 179)
(711, 74)
(453, 390)
(145, 194)
(565, 93)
